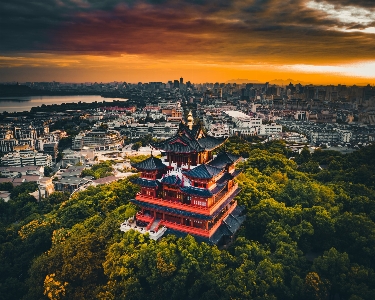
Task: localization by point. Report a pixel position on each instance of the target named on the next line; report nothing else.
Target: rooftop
(203, 171)
(188, 141)
(151, 163)
(222, 159)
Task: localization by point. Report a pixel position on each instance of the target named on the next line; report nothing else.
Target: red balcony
(173, 204)
(144, 218)
(218, 223)
(186, 207)
(180, 227)
(187, 229)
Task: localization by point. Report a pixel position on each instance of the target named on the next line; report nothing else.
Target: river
(16, 104)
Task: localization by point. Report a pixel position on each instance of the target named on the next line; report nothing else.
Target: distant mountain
(274, 81)
(287, 81)
(240, 81)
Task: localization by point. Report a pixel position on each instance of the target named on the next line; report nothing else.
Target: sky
(308, 41)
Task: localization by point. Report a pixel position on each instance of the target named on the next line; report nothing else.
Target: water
(16, 104)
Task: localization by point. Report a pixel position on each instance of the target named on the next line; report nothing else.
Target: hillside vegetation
(309, 234)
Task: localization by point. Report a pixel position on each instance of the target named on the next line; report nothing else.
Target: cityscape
(187, 149)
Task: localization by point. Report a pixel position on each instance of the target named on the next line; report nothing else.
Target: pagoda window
(188, 199)
(200, 203)
(199, 224)
(173, 219)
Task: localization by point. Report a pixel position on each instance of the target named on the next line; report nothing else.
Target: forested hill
(309, 234)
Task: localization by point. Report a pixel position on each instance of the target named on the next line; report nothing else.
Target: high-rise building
(176, 84)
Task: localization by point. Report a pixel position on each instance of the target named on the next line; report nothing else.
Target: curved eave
(142, 169)
(177, 151)
(217, 146)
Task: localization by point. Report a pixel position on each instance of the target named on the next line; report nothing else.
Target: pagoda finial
(190, 120)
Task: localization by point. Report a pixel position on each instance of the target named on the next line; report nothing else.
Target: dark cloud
(274, 30)
(358, 3)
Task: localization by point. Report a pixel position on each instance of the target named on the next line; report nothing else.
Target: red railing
(184, 228)
(225, 197)
(186, 207)
(219, 222)
(150, 224)
(144, 218)
(172, 204)
(157, 226)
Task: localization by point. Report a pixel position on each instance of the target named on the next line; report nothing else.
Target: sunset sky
(311, 41)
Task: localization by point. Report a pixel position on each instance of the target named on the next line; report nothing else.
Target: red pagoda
(189, 190)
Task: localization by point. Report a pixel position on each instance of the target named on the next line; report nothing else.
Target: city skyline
(312, 41)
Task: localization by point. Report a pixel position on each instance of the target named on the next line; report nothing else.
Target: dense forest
(309, 234)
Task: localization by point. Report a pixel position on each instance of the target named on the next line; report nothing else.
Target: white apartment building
(161, 130)
(7, 145)
(242, 120)
(323, 136)
(244, 131)
(77, 143)
(102, 139)
(269, 129)
(11, 172)
(72, 158)
(345, 136)
(219, 130)
(26, 158)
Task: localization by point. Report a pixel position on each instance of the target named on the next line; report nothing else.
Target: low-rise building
(324, 136)
(11, 172)
(46, 186)
(72, 158)
(98, 139)
(159, 130)
(5, 195)
(70, 184)
(269, 129)
(26, 158)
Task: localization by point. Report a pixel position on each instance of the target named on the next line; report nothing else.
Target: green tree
(6, 186)
(333, 268)
(48, 171)
(136, 146)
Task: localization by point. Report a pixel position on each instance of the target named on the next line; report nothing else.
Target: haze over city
(312, 41)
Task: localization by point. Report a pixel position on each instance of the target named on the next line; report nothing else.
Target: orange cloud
(221, 39)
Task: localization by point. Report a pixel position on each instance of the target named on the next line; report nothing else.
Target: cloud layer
(261, 32)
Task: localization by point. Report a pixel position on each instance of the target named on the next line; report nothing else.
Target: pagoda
(189, 190)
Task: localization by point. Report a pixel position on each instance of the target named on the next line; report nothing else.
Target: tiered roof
(203, 172)
(222, 159)
(172, 180)
(229, 226)
(210, 142)
(189, 141)
(187, 213)
(171, 210)
(146, 182)
(179, 144)
(206, 193)
(150, 164)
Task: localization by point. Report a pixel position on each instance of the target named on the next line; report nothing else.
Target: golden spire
(190, 120)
